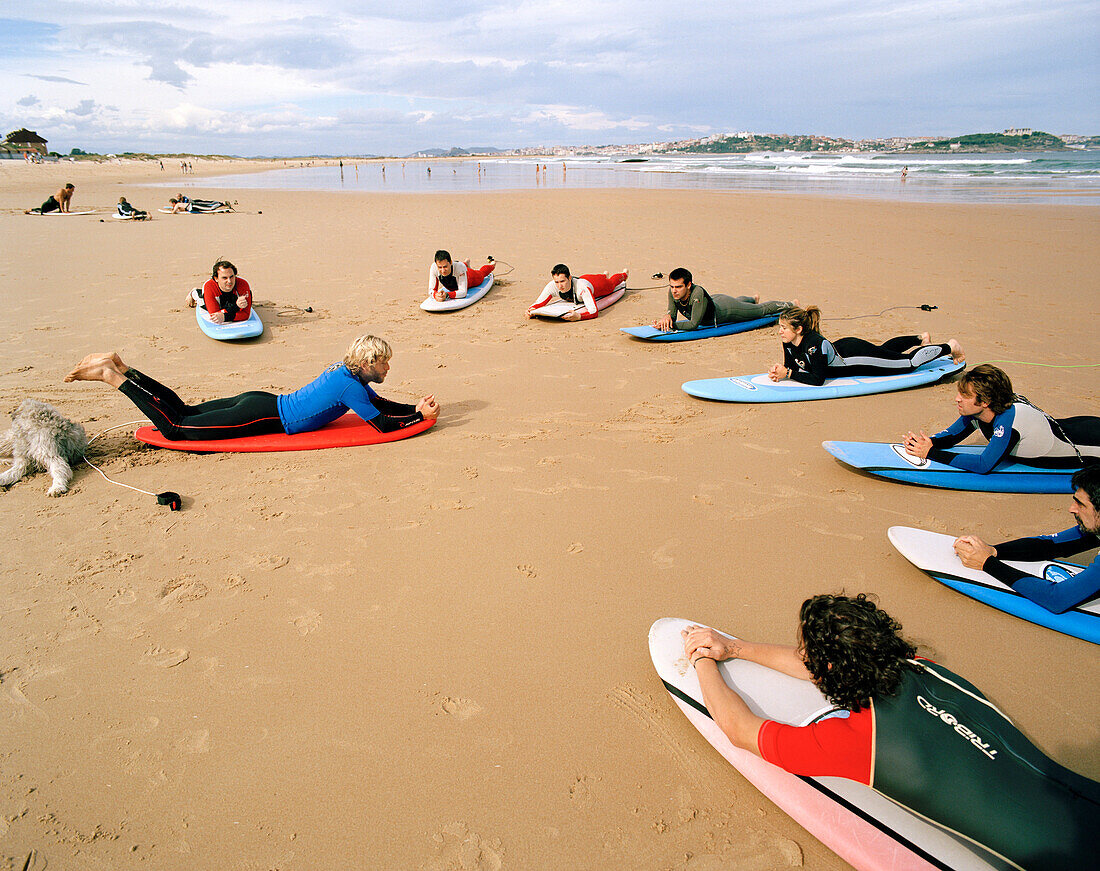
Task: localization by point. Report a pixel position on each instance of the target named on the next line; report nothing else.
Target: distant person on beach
(450, 280)
(904, 173)
(584, 290)
(125, 210)
(1016, 429)
(1057, 596)
(810, 358)
(59, 202)
(183, 204)
(343, 386)
(701, 309)
(916, 732)
(225, 296)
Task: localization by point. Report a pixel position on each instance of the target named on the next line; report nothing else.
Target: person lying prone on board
(583, 290)
(1015, 429)
(125, 210)
(911, 729)
(1055, 596)
(224, 296)
(343, 386)
(810, 358)
(450, 280)
(701, 309)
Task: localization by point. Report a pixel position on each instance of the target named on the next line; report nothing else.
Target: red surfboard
(345, 432)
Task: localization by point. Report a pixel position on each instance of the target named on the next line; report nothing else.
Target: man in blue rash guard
(1013, 426)
(343, 386)
(1055, 596)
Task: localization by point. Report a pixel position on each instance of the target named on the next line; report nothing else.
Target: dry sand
(432, 654)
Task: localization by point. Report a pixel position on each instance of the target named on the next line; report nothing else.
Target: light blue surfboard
(651, 334)
(246, 329)
(892, 462)
(934, 554)
(760, 388)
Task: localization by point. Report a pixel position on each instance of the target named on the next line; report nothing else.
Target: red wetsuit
(211, 292)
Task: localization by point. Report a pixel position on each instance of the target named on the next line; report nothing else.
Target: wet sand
(432, 654)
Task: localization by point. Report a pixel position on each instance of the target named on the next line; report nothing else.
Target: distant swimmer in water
(916, 732)
(904, 173)
(810, 358)
(450, 280)
(225, 297)
(343, 386)
(584, 290)
(1057, 596)
(1015, 428)
(59, 202)
(702, 309)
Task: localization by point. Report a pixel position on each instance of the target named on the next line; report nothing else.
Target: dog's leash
(169, 498)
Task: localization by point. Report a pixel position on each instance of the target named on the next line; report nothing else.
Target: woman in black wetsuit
(810, 358)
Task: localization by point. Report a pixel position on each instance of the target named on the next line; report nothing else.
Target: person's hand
(972, 551)
(663, 324)
(777, 372)
(700, 641)
(243, 302)
(571, 316)
(917, 445)
(218, 317)
(428, 407)
(531, 312)
(440, 295)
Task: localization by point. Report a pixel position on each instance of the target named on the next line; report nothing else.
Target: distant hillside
(1037, 141)
(762, 142)
(454, 152)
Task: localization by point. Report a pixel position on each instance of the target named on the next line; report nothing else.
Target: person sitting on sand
(584, 290)
(343, 386)
(125, 210)
(918, 733)
(225, 296)
(450, 280)
(702, 309)
(810, 358)
(59, 202)
(1056, 596)
(1014, 427)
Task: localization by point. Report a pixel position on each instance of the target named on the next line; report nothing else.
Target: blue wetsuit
(1023, 433)
(258, 412)
(1055, 596)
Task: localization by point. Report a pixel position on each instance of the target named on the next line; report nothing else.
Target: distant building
(1018, 131)
(26, 141)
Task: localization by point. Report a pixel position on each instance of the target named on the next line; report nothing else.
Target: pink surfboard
(862, 826)
(345, 432)
(555, 310)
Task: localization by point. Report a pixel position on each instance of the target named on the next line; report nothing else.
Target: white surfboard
(556, 310)
(59, 212)
(862, 826)
(473, 294)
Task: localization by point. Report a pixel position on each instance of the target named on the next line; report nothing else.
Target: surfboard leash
(924, 307)
(168, 497)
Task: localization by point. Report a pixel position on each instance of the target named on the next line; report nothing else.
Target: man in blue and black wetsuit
(1056, 596)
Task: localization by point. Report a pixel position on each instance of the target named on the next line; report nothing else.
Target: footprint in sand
(122, 597)
(270, 561)
(456, 848)
(575, 547)
(461, 709)
(527, 571)
(195, 742)
(470, 472)
(662, 556)
(580, 792)
(181, 590)
(165, 657)
(307, 622)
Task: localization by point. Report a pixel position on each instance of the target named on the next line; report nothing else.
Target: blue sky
(343, 77)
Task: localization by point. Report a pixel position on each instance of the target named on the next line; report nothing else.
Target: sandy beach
(432, 654)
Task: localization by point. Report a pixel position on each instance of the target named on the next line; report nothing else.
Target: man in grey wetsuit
(701, 309)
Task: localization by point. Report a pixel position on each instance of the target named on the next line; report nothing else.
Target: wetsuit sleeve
(1000, 443)
(1055, 596)
(210, 296)
(587, 294)
(817, 365)
(546, 295)
(393, 409)
(954, 434)
(391, 415)
(433, 279)
(834, 747)
(462, 281)
(672, 308)
(698, 310)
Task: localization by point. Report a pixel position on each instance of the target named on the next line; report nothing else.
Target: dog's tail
(7, 440)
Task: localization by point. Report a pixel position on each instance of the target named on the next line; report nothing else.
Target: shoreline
(446, 636)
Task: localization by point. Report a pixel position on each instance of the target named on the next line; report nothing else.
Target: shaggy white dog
(42, 438)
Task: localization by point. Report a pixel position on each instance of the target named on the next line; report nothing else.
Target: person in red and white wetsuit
(450, 280)
(225, 297)
(908, 728)
(582, 290)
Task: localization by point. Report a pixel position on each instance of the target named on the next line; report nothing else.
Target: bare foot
(756, 298)
(108, 368)
(925, 339)
(191, 299)
(796, 303)
(956, 351)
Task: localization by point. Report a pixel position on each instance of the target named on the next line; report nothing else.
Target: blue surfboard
(246, 329)
(651, 334)
(892, 462)
(934, 554)
(760, 388)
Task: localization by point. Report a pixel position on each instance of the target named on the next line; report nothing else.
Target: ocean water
(1062, 177)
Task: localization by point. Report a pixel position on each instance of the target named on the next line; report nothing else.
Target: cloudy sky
(343, 77)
